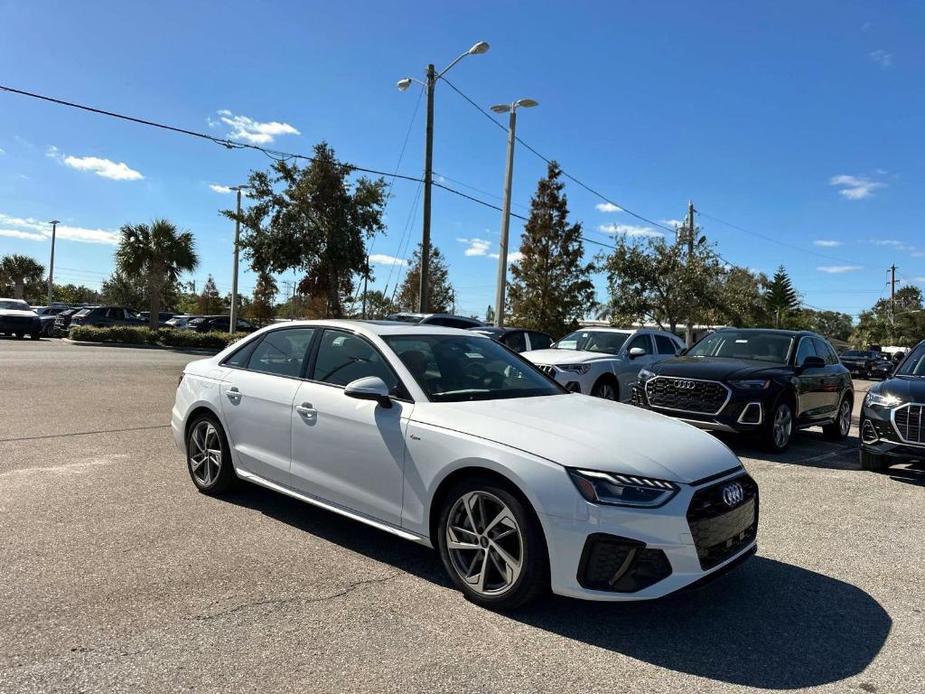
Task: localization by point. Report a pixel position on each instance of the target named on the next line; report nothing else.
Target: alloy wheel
(606, 391)
(783, 426)
(205, 453)
(844, 417)
(485, 543)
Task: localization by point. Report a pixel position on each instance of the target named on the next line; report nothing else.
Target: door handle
(233, 393)
(306, 410)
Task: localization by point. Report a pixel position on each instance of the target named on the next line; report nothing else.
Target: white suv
(604, 362)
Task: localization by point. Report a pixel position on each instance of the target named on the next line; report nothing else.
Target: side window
(641, 341)
(823, 350)
(806, 349)
(665, 345)
(282, 352)
(343, 357)
(540, 341)
(240, 358)
(116, 313)
(516, 340)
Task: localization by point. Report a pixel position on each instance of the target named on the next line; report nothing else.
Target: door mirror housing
(812, 363)
(636, 352)
(369, 388)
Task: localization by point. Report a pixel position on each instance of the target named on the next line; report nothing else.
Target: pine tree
(781, 298)
(442, 294)
(210, 301)
(551, 285)
(261, 309)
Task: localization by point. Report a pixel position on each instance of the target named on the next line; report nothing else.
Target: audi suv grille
(909, 421)
(722, 529)
(687, 395)
(547, 369)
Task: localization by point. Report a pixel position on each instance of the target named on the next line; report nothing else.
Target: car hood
(565, 356)
(906, 388)
(713, 368)
(14, 313)
(591, 433)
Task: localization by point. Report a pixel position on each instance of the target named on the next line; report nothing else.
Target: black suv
(763, 382)
(893, 416)
(867, 363)
(222, 324)
(106, 317)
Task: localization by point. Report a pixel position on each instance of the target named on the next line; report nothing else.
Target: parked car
(517, 339)
(107, 317)
(63, 319)
(47, 316)
(893, 416)
(445, 438)
(447, 320)
(162, 316)
(763, 382)
(205, 324)
(180, 322)
(17, 318)
(604, 362)
(867, 364)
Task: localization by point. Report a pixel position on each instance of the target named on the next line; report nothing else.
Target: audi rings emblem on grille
(733, 494)
(686, 385)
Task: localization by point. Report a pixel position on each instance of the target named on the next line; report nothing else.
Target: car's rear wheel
(207, 457)
(779, 430)
(607, 388)
(19, 336)
(492, 545)
(873, 461)
(838, 430)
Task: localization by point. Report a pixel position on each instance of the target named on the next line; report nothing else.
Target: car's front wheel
(779, 430)
(207, 457)
(492, 546)
(606, 388)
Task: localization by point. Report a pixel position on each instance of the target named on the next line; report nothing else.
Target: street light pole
(506, 211)
(233, 318)
(51, 263)
(429, 83)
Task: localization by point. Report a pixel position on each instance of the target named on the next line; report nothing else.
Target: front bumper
(879, 435)
(743, 412)
(650, 553)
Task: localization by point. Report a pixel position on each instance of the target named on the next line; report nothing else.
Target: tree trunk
(155, 298)
(18, 288)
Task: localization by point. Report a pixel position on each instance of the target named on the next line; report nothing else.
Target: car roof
(775, 331)
(378, 327)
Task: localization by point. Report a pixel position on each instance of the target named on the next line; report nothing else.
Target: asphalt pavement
(117, 576)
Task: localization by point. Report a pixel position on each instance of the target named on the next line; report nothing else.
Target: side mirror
(369, 388)
(813, 363)
(637, 352)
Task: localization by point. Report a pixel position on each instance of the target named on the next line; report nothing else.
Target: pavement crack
(276, 603)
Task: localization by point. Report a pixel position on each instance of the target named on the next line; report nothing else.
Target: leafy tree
(210, 301)
(378, 305)
(903, 326)
(441, 292)
(157, 253)
(123, 290)
(831, 324)
(311, 219)
(659, 281)
(261, 310)
(781, 298)
(550, 287)
(19, 272)
(741, 300)
(73, 294)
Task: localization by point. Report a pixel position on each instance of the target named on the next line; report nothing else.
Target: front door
(347, 451)
(811, 390)
(631, 366)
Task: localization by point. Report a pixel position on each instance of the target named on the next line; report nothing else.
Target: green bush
(129, 335)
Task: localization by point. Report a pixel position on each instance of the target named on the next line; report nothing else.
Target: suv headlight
(751, 384)
(580, 369)
(622, 490)
(878, 400)
(644, 375)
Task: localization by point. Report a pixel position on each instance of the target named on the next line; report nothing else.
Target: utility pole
(424, 294)
(365, 285)
(233, 319)
(51, 263)
(892, 291)
(690, 252)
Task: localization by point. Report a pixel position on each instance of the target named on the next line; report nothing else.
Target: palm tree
(157, 254)
(20, 270)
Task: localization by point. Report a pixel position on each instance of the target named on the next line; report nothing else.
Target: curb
(183, 350)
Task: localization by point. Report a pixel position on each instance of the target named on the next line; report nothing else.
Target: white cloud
(825, 243)
(217, 188)
(882, 58)
(106, 168)
(511, 257)
(39, 228)
(252, 131)
(2, 151)
(382, 259)
(630, 230)
(607, 207)
(838, 269)
(672, 222)
(476, 246)
(16, 234)
(920, 280)
(855, 187)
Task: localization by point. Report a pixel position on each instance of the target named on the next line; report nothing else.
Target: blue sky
(797, 121)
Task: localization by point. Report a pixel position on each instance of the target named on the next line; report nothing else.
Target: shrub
(130, 335)
(189, 338)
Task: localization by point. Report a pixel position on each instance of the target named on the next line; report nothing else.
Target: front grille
(620, 565)
(687, 395)
(909, 421)
(720, 530)
(547, 369)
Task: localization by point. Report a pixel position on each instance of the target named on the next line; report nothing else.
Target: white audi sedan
(446, 438)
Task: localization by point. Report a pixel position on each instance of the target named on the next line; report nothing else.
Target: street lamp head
(55, 221)
(501, 108)
(526, 103)
(479, 48)
(403, 84)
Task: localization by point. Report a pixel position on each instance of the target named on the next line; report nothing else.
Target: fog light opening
(868, 433)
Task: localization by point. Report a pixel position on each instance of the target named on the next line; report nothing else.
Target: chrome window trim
(678, 409)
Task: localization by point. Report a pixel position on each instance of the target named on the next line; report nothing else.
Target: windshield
(14, 305)
(914, 365)
(593, 341)
(734, 344)
(451, 368)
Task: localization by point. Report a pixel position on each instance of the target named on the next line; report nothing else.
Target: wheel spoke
(504, 514)
(483, 572)
(467, 503)
(505, 556)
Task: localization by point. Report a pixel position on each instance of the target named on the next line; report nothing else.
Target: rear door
(832, 380)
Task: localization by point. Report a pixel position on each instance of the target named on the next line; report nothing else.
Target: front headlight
(751, 384)
(580, 369)
(644, 375)
(878, 400)
(622, 490)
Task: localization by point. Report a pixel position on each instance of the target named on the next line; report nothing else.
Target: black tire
(837, 431)
(533, 578)
(19, 336)
(873, 461)
(35, 336)
(769, 437)
(212, 482)
(606, 387)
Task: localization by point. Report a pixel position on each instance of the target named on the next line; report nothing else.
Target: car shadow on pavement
(909, 474)
(809, 448)
(767, 624)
